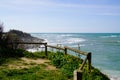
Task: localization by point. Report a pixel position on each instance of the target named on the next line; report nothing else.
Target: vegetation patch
(37, 66)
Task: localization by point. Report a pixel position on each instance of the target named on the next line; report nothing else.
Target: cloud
(22, 3)
(37, 5)
(51, 3)
(108, 14)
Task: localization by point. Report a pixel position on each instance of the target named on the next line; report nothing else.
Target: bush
(6, 53)
(2, 60)
(34, 55)
(66, 63)
(95, 74)
(69, 63)
(9, 53)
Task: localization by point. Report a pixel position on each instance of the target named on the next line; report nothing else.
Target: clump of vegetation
(10, 53)
(95, 74)
(6, 53)
(69, 63)
(66, 63)
(35, 54)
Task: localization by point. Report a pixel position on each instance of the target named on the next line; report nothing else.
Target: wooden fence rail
(75, 50)
(77, 74)
(56, 47)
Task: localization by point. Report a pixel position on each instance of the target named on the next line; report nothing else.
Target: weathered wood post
(45, 49)
(77, 75)
(79, 49)
(89, 61)
(65, 50)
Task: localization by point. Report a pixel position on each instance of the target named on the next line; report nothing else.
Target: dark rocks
(25, 37)
(19, 36)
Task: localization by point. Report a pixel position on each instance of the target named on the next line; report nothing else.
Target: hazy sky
(61, 15)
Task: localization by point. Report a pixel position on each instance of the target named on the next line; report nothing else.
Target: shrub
(11, 53)
(69, 63)
(34, 55)
(66, 63)
(95, 74)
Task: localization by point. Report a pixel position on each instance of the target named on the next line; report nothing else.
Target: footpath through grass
(37, 66)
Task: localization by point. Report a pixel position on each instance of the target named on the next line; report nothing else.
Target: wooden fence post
(89, 61)
(77, 75)
(79, 49)
(65, 50)
(46, 49)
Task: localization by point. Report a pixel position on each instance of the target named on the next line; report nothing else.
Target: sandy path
(27, 62)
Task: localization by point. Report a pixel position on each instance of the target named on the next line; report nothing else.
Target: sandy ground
(27, 63)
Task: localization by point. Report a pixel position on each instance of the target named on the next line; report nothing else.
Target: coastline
(114, 78)
(111, 76)
(107, 42)
(39, 49)
(104, 72)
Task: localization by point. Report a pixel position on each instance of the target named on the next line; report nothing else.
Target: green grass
(34, 73)
(65, 65)
(34, 55)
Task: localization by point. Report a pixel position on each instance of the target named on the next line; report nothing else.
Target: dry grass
(27, 63)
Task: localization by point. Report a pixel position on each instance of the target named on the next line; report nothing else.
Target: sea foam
(75, 40)
(111, 36)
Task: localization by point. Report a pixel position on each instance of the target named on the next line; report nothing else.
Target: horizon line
(71, 32)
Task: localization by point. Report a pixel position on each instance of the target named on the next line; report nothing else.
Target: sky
(63, 16)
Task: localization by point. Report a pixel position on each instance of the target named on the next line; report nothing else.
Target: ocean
(105, 48)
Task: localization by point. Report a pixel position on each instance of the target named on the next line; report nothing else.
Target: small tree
(12, 38)
(1, 34)
(1, 30)
(6, 38)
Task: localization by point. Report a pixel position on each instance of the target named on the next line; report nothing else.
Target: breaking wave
(75, 40)
(115, 74)
(111, 36)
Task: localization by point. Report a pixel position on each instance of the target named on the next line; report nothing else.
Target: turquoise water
(105, 48)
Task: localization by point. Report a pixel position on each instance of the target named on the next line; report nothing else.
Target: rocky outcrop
(25, 37)
(19, 36)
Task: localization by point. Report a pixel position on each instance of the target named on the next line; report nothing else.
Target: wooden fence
(77, 73)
